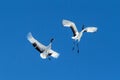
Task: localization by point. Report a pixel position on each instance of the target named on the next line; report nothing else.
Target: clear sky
(99, 57)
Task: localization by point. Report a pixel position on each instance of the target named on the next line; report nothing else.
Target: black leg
(78, 51)
(49, 59)
(73, 45)
(78, 47)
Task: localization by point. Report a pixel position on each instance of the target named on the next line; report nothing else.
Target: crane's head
(51, 40)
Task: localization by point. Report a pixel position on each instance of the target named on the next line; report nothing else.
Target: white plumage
(45, 51)
(77, 35)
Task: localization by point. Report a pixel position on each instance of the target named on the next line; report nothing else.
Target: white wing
(90, 29)
(40, 47)
(54, 54)
(70, 24)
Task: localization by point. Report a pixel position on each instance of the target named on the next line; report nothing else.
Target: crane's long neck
(80, 34)
(49, 46)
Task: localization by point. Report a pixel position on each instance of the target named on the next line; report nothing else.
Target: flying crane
(45, 51)
(76, 34)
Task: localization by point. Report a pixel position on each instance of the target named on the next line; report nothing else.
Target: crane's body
(45, 51)
(76, 34)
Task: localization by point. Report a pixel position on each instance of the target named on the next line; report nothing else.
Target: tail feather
(43, 55)
(74, 37)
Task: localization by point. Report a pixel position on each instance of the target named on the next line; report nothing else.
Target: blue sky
(99, 57)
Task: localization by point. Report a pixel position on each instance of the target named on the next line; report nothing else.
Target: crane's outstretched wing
(70, 24)
(90, 29)
(53, 53)
(40, 47)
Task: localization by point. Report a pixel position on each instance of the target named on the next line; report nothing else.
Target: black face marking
(83, 26)
(52, 40)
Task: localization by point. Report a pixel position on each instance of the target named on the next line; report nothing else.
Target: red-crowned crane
(76, 34)
(45, 51)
